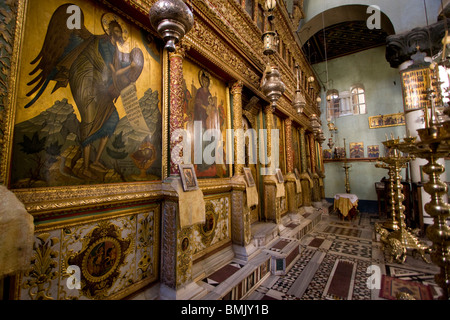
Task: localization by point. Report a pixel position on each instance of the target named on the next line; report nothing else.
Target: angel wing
(52, 62)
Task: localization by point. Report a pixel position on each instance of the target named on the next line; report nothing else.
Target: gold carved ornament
(100, 259)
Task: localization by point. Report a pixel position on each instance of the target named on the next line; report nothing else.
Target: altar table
(347, 204)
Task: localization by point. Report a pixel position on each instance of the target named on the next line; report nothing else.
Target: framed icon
(280, 177)
(249, 177)
(297, 174)
(188, 177)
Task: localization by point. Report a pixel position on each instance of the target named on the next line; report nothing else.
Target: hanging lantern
(270, 39)
(270, 6)
(172, 19)
(299, 102)
(320, 137)
(315, 124)
(311, 81)
(272, 86)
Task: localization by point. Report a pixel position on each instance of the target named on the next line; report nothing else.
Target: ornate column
(289, 150)
(291, 196)
(312, 151)
(176, 105)
(316, 187)
(303, 150)
(240, 213)
(304, 177)
(239, 143)
(268, 111)
(321, 172)
(270, 188)
(176, 255)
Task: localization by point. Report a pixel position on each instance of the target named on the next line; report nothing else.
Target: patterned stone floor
(334, 261)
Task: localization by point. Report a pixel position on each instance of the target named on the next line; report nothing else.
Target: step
(284, 253)
(235, 281)
(263, 233)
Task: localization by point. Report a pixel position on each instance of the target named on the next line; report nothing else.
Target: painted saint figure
(96, 70)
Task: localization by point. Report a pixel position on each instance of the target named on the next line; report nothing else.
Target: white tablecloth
(345, 202)
(353, 197)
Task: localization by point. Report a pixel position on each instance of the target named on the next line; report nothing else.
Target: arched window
(358, 100)
(332, 104)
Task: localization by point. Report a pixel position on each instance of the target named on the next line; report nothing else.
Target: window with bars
(332, 104)
(358, 100)
(346, 103)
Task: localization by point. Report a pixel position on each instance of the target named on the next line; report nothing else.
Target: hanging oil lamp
(272, 86)
(315, 124)
(270, 39)
(299, 102)
(172, 19)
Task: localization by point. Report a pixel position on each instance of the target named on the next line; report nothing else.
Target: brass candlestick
(346, 167)
(400, 240)
(433, 145)
(391, 222)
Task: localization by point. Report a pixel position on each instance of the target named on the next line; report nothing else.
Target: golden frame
(249, 177)
(279, 175)
(387, 120)
(50, 199)
(188, 177)
(62, 258)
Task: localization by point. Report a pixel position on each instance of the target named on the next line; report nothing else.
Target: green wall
(383, 96)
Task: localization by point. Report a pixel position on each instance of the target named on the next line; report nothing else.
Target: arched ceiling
(344, 30)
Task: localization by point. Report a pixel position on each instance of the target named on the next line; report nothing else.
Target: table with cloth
(346, 204)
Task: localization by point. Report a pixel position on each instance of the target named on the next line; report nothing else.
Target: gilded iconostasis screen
(88, 105)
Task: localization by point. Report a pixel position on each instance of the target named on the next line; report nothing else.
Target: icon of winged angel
(96, 71)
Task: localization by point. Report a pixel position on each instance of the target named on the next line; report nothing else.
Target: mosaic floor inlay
(333, 264)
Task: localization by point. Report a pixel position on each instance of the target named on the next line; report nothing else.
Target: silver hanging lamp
(172, 19)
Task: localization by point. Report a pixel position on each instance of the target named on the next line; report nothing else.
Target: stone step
(235, 281)
(284, 253)
(263, 233)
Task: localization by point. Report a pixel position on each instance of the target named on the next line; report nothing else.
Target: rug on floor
(391, 287)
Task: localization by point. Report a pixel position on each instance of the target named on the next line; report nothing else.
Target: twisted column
(303, 150)
(312, 149)
(176, 106)
(289, 149)
(268, 110)
(239, 156)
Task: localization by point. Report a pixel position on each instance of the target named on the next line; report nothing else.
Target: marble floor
(335, 262)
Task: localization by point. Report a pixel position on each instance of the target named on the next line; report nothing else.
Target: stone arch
(338, 22)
